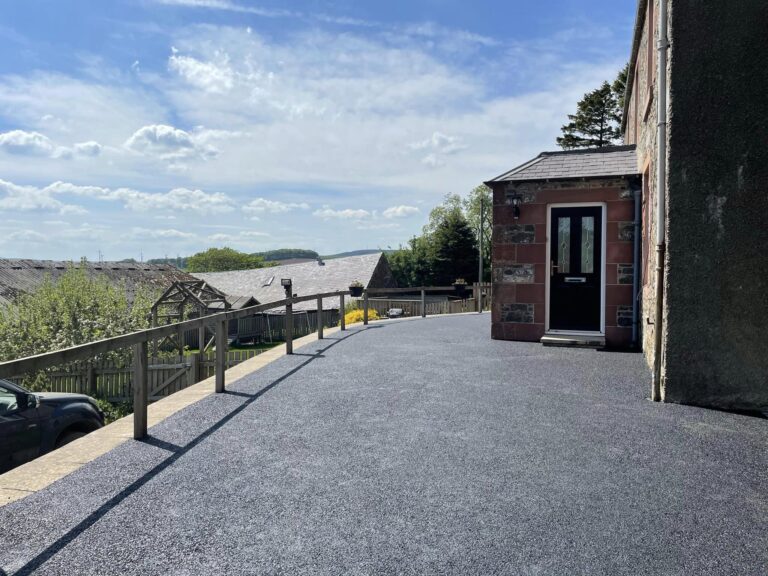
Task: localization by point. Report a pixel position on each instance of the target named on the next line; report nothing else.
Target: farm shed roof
(18, 276)
(610, 161)
(372, 270)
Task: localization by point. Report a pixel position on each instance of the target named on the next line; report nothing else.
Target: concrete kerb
(44, 471)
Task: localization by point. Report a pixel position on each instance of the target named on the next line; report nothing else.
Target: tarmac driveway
(416, 447)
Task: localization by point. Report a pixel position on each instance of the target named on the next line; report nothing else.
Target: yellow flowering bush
(356, 315)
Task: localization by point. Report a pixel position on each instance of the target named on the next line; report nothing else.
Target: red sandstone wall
(520, 256)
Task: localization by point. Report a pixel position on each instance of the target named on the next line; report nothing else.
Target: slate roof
(19, 276)
(308, 278)
(610, 161)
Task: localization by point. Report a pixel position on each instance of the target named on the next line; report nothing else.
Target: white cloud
(84, 232)
(26, 143)
(433, 161)
(439, 142)
(438, 146)
(261, 205)
(138, 233)
(242, 238)
(230, 7)
(327, 213)
(166, 143)
(400, 211)
(213, 77)
(176, 200)
(15, 198)
(26, 236)
(26, 198)
(90, 148)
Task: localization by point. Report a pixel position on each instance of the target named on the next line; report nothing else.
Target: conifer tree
(596, 122)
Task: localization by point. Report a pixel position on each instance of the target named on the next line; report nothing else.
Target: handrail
(90, 349)
(139, 341)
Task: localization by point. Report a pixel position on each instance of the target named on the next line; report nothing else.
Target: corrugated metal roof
(19, 276)
(308, 278)
(610, 161)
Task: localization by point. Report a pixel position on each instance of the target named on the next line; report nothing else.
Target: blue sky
(154, 127)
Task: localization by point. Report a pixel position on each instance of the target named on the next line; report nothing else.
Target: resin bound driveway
(415, 447)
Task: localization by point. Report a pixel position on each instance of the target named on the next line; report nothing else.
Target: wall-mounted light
(516, 207)
(285, 282)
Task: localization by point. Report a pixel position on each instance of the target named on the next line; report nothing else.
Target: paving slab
(419, 447)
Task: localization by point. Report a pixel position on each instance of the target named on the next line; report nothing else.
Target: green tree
(480, 201)
(412, 265)
(76, 309)
(222, 260)
(619, 88)
(596, 122)
(454, 249)
(447, 247)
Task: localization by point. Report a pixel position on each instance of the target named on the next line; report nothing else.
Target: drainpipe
(661, 181)
(637, 195)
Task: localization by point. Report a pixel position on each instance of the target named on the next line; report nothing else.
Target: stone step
(581, 341)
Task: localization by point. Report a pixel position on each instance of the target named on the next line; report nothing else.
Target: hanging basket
(356, 291)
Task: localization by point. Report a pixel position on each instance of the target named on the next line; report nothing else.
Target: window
(564, 245)
(8, 401)
(269, 281)
(646, 224)
(587, 245)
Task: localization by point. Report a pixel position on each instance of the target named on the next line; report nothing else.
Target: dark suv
(33, 424)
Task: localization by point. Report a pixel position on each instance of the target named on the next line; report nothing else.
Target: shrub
(355, 316)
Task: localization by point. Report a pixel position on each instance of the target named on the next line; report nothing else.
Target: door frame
(548, 267)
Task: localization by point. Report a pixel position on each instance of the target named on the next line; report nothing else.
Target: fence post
(201, 338)
(180, 338)
(221, 353)
(365, 308)
(90, 378)
(319, 318)
(423, 303)
(193, 372)
(289, 328)
(342, 320)
(140, 379)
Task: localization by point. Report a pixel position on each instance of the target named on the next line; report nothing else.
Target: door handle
(552, 267)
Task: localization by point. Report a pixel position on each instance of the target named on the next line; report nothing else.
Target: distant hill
(279, 255)
(288, 254)
(352, 253)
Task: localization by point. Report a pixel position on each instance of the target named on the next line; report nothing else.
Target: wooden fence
(270, 327)
(432, 308)
(113, 380)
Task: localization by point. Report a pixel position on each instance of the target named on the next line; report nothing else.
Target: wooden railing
(477, 290)
(139, 342)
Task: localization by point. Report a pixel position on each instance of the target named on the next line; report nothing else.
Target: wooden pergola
(184, 300)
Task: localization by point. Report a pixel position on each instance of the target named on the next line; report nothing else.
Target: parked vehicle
(32, 424)
(395, 313)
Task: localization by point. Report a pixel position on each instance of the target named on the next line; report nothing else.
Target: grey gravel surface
(416, 447)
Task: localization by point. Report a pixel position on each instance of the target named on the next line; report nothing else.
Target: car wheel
(68, 437)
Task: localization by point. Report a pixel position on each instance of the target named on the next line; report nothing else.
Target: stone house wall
(641, 130)
(715, 285)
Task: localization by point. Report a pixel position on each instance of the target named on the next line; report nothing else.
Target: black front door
(576, 268)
